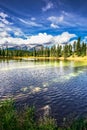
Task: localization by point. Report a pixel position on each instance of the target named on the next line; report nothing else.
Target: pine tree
(78, 47)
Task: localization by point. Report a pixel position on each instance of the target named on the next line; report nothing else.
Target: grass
(71, 58)
(10, 119)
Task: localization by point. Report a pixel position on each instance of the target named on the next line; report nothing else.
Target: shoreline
(75, 58)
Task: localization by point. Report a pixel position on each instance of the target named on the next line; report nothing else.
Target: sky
(42, 21)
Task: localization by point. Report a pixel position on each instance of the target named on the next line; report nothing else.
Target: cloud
(33, 18)
(2, 25)
(12, 41)
(48, 6)
(10, 30)
(85, 39)
(9, 33)
(52, 25)
(4, 21)
(3, 18)
(41, 38)
(4, 34)
(64, 38)
(55, 19)
(66, 13)
(3, 15)
(17, 32)
(30, 23)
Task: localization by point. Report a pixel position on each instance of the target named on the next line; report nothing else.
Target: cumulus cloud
(41, 38)
(64, 37)
(48, 6)
(4, 34)
(12, 41)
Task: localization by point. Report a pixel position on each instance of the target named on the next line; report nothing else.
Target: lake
(57, 88)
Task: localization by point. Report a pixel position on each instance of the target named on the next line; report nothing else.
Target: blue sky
(26, 20)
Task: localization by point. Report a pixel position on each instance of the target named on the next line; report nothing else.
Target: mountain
(20, 47)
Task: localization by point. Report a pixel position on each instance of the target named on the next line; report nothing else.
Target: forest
(66, 50)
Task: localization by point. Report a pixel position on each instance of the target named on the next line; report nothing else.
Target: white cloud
(3, 15)
(3, 19)
(48, 6)
(30, 23)
(54, 26)
(17, 32)
(41, 38)
(64, 38)
(2, 25)
(55, 19)
(13, 41)
(4, 34)
(8, 29)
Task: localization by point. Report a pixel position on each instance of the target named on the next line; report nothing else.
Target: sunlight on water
(11, 65)
(59, 87)
(46, 109)
(45, 84)
(36, 89)
(52, 71)
(65, 78)
(24, 89)
(21, 67)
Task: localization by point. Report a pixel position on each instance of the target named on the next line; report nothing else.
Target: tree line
(67, 50)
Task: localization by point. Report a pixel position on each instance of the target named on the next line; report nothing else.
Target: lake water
(55, 87)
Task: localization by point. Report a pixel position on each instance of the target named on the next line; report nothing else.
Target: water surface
(56, 87)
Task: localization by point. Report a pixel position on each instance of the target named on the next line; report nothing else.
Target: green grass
(10, 119)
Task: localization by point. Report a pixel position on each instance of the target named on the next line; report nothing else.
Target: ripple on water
(60, 88)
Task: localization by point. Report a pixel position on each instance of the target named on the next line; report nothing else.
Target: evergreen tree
(69, 50)
(78, 47)
(83, 49)
(65, 51)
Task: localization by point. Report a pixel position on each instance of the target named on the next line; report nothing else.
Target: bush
(10, 119)
(8, 116)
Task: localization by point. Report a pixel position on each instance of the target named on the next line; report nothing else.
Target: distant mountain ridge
(23, 46)
(20, 47)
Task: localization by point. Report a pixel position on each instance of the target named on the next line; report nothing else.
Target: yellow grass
(75, 58)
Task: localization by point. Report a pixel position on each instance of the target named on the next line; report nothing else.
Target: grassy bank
(75, 58)
(10, 119)
(72, 58)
